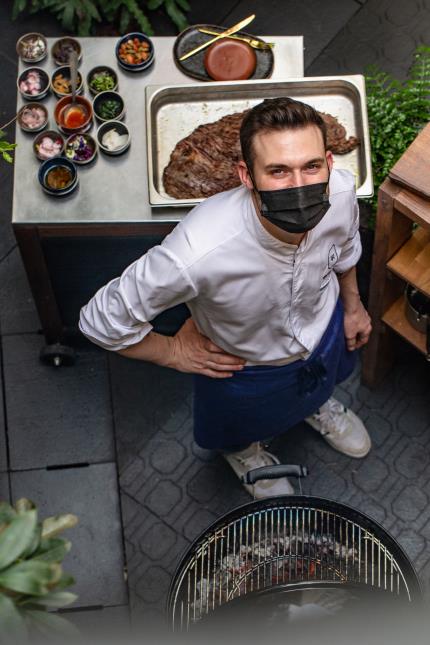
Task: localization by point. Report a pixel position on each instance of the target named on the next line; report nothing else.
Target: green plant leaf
(55, 599)
(29, 577)
(184, 4)
(65, 581)
(23, 505)
(11, 621)
(154, 4)
(34, 544)
(138, 14)
(51, 526)
(176, 14)
(18, 7)
(92, 10)
(7, 512)
(124, 20)
(50, 623)
(52, 550)
(17, 537)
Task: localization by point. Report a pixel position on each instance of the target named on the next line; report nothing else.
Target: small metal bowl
(44, 80)
(59, 49)
(101, 98)
(74, 145)
(121, 129)
(64, 71)
(29, 107)
(59, 115)
(50, 165)
(102, 70)
(25, 41)
(135, 67)
(417, 308)
(54, 136)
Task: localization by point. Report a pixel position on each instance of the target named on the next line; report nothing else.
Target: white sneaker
(254, 456)
(341, 428)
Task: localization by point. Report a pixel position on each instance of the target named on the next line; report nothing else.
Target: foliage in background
(397, 112)
(6, 147)
(79, 16)
(31, 576)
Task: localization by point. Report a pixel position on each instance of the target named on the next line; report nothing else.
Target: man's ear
(330, 161)
(244, 177)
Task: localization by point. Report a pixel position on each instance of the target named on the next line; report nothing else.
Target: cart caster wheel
(58, 355)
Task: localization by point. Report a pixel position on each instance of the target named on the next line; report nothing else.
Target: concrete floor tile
(382, 32)
(4, 488)
(18, 313)
(96, 557)
(318, 24)
(3, 440)
(146, 399)
(107, 624)
(56, 416)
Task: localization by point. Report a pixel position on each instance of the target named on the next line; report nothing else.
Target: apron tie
(310, 376)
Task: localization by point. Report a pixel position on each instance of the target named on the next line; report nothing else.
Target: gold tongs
(253, 42)
(240, 25)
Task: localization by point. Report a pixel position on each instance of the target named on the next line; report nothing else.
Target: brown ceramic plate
(194, 66)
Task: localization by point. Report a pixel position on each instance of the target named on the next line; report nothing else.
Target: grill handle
(273, 472)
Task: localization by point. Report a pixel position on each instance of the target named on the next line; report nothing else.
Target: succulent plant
(31, 577)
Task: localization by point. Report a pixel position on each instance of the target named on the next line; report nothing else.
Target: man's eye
(314, 166)
(278, 171)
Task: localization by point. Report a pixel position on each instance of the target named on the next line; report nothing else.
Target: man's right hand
(195, 353)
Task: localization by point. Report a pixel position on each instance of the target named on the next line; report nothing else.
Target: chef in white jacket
(267, 271)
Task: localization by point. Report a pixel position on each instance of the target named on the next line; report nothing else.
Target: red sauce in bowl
(74, 117)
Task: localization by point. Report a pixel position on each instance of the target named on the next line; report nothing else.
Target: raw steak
(204, 163)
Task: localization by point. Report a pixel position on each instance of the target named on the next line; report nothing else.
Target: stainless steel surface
(279, 547)
(115, 189)
(174, 112)
(224, 34)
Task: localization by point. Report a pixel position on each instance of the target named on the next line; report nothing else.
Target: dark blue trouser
(261, 402)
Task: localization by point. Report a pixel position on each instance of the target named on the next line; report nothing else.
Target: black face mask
(295, 210)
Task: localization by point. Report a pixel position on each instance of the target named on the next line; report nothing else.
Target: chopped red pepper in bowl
(135, 52)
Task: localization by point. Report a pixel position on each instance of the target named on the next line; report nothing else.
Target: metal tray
(174, 111)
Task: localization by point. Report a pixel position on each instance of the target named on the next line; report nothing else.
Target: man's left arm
(357, 323)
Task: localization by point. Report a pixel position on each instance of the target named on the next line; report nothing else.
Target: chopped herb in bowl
(108, 106)
(102, 81)
(109, 109)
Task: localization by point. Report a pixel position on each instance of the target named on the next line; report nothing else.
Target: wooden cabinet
(401, 255)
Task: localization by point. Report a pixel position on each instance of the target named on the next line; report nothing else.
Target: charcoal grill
(288, 543)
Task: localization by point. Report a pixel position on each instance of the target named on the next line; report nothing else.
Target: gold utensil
(253, 42)
(240, 25)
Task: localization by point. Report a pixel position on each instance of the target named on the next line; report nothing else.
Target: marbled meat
(204, 163)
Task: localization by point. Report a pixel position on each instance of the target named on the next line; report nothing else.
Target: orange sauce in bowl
(74, 117)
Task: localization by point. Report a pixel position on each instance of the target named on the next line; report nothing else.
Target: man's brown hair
(280, 113)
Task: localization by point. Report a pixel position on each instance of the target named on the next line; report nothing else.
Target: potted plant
(397, 111)
(81, 16)
(31, 577)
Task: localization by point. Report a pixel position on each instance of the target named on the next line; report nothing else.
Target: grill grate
(280, 546)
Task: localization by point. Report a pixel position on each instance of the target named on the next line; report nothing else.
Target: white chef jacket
(256, 297)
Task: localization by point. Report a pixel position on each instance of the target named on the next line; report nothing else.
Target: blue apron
(264, 401)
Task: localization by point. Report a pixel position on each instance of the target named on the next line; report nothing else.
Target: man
(261, 268)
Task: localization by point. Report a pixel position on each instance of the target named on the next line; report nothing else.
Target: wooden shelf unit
(401, 255)
(412, 261)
